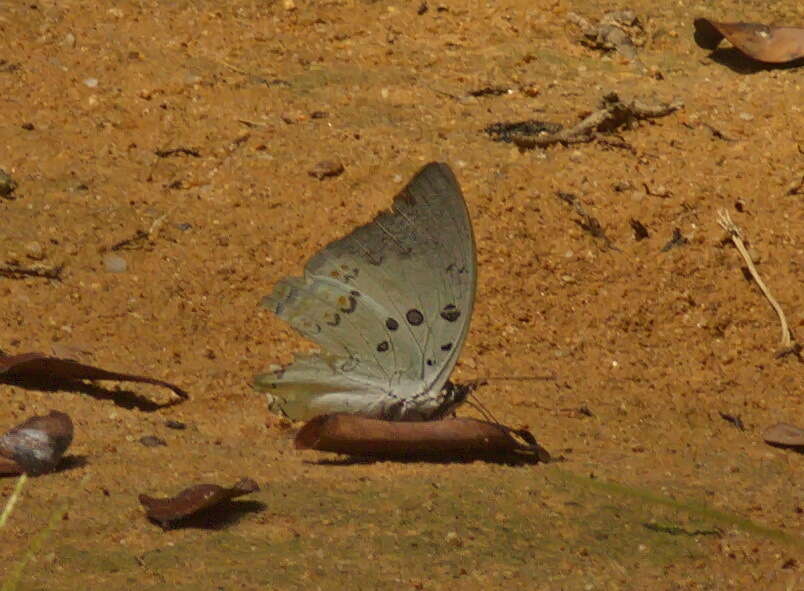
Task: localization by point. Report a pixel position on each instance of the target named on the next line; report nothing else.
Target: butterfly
(390, 305)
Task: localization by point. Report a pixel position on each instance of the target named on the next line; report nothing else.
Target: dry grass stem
(12, 500)
(736, 236)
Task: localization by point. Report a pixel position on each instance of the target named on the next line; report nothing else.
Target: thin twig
(736, 236)
(613, 114)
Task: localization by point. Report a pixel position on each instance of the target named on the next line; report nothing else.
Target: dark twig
(12, 272)
(614, 113)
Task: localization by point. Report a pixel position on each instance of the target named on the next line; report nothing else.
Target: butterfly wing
(389, 304)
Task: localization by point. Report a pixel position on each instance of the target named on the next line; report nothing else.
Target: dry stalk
(736, 236)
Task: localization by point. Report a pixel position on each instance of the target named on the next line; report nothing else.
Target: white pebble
(114, 264)
(91, 82)
(454, 539)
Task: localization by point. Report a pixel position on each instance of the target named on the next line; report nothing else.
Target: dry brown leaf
(766, 43)
(40, 366)
(194, 499)
(784, 435)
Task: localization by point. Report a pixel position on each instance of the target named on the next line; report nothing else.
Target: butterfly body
(389, 305)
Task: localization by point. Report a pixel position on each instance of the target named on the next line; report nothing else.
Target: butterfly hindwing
(389, 303)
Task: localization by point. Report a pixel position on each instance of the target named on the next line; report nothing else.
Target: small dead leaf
(640, 231)
(765, 43)
(677, 240)
(445, 439)
(193, 500)
(36, 445)
(39, 366)
(785, 435)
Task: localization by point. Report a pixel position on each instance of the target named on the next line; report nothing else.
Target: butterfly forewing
(391, 302)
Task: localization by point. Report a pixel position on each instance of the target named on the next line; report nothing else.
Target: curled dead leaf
(36, 445)
(765, 43)
(444, 439)
(784, 435)
(193, 500)
(39, 366)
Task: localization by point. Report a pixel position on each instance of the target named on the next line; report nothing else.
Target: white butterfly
(390, 306)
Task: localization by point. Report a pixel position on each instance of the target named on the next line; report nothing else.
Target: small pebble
(178, 425)
(152, 441)
(326, 169)
(34, 250)
(114, 264)
(91, 82)
(532, 90)
(7, 184)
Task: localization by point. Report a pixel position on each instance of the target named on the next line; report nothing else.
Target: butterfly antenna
(475, 403)
(481, 409)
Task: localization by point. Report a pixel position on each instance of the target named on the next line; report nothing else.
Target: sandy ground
(657, 490)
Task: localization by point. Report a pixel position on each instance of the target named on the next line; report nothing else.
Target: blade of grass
(12, 500)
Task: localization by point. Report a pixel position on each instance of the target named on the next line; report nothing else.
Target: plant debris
(326, 169)
(640, 231)
(504, 131)
(675, 530)
(193, 500)
(735, 420)
(38, 366)
(36, 445)
(736, 236)
(16, 272)
(677, 240)
(152, 441)
(490, 91)
(178, 425)
(796, 187)
(7, 185)
(446, 439)
(587, 222)
(764, 43)
(618, 30)
(612, 115)
(785, 435)
(178, 151)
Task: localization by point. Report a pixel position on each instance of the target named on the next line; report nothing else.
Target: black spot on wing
(450, 313)
(383, 347)
(347, 304)
(414, 317)
(391, 324)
